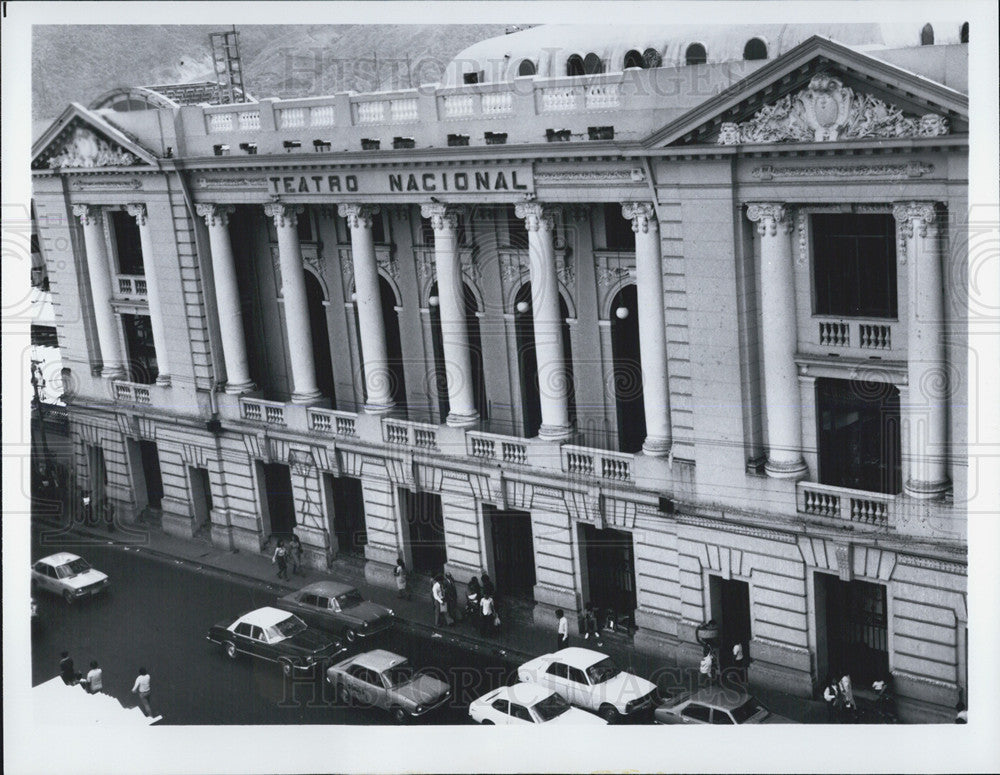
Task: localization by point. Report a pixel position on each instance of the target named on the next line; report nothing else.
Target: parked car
(381, 679)
(591, 680)
(276, 636)
(716, 705)
(67, 575)
(338, 608)
(528, 704)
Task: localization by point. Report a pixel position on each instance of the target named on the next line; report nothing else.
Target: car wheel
(350, 635)
(68, 597)
(286, 668)
(399, 715)
(343, 696)
(230, 648)
(487, 723)
(608, 713)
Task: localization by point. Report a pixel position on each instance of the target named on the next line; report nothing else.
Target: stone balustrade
(859, 507)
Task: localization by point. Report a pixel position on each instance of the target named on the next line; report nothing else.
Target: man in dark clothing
(451, 597)
(488, 589)
(67, 670)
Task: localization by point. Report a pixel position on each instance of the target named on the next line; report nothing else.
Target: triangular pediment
(821, 91)
(82, 139)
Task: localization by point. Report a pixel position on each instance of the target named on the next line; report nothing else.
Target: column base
(238, 388)
(457, 420)
(163, 380)
(379, 409)
(114, 372)
(656, 446)
(794, 469)
(925, 490)
(555, 432)
(306, 398)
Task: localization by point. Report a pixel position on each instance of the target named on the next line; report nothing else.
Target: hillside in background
(79, 63)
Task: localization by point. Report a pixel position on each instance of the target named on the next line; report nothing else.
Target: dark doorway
(513, 551)
(610, 570)
(140, 350)
(731, 611)
(394, 347)
(346, 508)
(128, 244)
(857, 629)
(627, 370)
(527, 362)
(322, 357)
(201, 495)
(98, 476)
(150, 456)
(425, 530)
(859, 436)
(280, 503)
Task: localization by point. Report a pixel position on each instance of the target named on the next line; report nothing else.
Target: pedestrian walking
(489, 620)
(740, 663)
(280, 559)
(67, 670)
(108, 509)
(488, 588)
(834, 703)
(94, 681)
(847, 696)
(295, 555)
(451, 597)
(472, 594)
(709, 666)
(590, 623)
(440, 604)
(400, 573)
(562, 630)
(142, 688)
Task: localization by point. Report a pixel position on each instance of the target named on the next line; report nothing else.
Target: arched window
(627, 370)
(963, 34)
(755, 49)
(527, 67)
(696, 54)
(633, 59)
(574, 65)
(927, 36)
(592, 64)
(652, 58)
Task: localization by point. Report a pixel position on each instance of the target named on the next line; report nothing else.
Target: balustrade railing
(854, 334)
(857, 506)
(131, 286)
(409, 434)
(492, 446)
(331, 421)
(259, 410)
(604, 464)
(131, 392)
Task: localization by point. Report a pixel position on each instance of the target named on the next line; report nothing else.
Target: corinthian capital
(285, 215)
(138, 211)
(215, 215)
(441, 216)
(768, 216)
(642, 216)
(89, 215)
(359, 216)
(536, 216)
(908, 213)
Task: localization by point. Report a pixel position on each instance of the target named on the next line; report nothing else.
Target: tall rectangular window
(141, 352)
(128, 247)
(617, 229)
(854, 265)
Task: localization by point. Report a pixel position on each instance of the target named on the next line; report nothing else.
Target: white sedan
(591, 680)
(527, 704)
(67, 575)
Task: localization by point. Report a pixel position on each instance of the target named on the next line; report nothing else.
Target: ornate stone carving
(359, 216)
(536, 216)
(138, 211)
(441, 216)
(802, 259)
(827, 110)
(85, 149)
(564, 268)
(636, 175)
(768, 215)
(642, 216)
(512, 266)
(89, 215)
(905, 214)
(610, 275)
(231, 183)
(116, 184)
(285, 215)
(215, 214)
(913, 169)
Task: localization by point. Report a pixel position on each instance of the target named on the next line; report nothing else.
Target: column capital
(536, 216)
(906, 213)
(89, 215)
(138, 211)
(441, 216)
(359, 216)
(768, 215)
(285, 215)
(642, 215)
(214, 214)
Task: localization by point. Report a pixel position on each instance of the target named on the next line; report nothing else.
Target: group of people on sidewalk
(480, 604)
(288, 555)
(93, 682)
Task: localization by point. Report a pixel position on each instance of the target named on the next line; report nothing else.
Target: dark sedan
(275, 636)
(338, 608)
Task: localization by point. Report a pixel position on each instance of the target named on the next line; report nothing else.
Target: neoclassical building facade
(682, 339)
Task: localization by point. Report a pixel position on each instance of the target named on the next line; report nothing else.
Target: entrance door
(345, 503)
(731, 611)
(424, 529)
(280, 503)
(151, 472)
(857, 631)
(98, 479)
(513, 551)
(201, 494)
(610, 570)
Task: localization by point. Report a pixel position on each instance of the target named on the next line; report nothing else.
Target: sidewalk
(516, 642)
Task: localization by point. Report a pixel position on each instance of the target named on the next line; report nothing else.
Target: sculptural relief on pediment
(86, 149)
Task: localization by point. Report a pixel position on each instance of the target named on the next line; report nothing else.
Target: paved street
(156, 616)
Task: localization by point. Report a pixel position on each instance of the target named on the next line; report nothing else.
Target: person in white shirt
(488, 622)
(142, 688)
(562, 635)
(440, 605)
(94, 681)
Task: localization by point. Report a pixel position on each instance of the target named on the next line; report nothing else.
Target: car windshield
(399, 675)
(349, 599)
(603, 671)
(749, 708)
(73, 568)
(286, 629)
(551, 707)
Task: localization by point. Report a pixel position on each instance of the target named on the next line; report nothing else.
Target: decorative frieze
(729, 527)
(241, 182)
(931, 564)
(634, 175)
(913, 169)
(86, 149)
(115, 184)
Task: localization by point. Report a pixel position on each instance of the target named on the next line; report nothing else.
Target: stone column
(227, 297)
(374, 351)
(141, 215)
(925, 414)
(780, 341)
(451, 300)
(293, 290)
(99, 269)
(553, 382)
(652, 328)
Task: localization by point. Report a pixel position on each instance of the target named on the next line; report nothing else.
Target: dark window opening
(140, 349)
(322, 356)
(633, 59)
(495, 138)
(370, 144)
(618, 233)
(696, 54)
(378, 229)
(592, 64)
(652, 58)
(627, 364)
(510, 537)
(857, 631)
(346, 506)
(610, 571)
(527, 361)
(128, 246)
(425, 530)
(517, 235)
(303, 226)
(403, 142)
(963, 35)
(600, 133)
(574, 65)
(470, 78)
(527, 67)
(927, 35)
(854, 265)
(755, 49)
(44, 336)
(457, 140)
(149, 455)
(280, 503)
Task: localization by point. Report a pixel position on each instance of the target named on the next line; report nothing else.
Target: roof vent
(601, 132)
(403, 142)
(557, 135)
(369, 144)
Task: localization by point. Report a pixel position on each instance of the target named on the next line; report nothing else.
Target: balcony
(333, 423)
(130, 286)
(602, 464)
(258, 410)
(493, 446)
(131, 393)
(854, 337)
(869, 510)
(405, 433)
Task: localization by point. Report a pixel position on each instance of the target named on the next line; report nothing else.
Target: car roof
(326, 588)
(59, 558)
(579, 657)
(265, 617)
(378, 660)
(720, 697)
(526, 693)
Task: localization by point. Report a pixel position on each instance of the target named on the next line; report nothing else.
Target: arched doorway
(627, 369)
(475, 354)
(322, 358)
